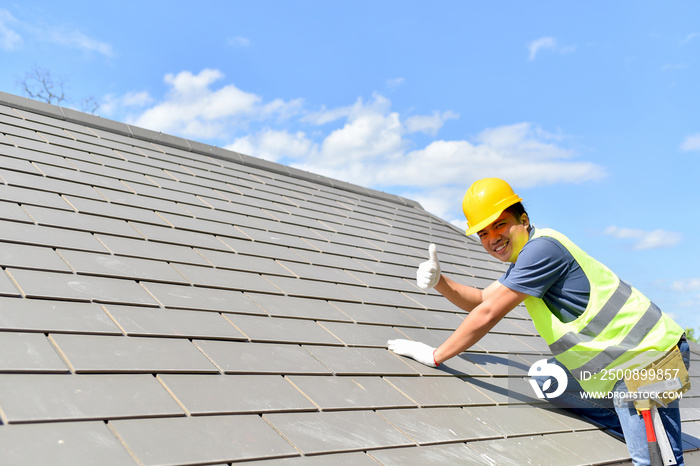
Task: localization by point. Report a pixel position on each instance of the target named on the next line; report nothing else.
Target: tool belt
(667, 376)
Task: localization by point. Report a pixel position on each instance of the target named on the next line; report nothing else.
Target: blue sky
(589, 109)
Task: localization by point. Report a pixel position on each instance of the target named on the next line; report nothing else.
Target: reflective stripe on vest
(617, 329)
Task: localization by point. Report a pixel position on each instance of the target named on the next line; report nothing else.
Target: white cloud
(539, 44)
(645, 239)
(366, 143)
(394, 83)
(689, 37)
(9, 39)
(111, 103)
(76, 39)
(691, 142)
(429, 124)
(274, 145)
(193, 109)
(547, 43)
(324, 115)
(238, 41)
(690, 284)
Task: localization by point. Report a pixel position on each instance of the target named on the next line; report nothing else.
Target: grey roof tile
(457, 366)
(437, 455)
(277, 239)
(436, 319)
(500, 343)
(434, 337)
(86, 179)
(166, 234)
(362, 335)
(21, 154)
(46, 236)
(31, 257)
(253, 248)
(205, 299)
(16, 165)
(595, 446)
(306, 308)
(311, 289)
(226, 279)
(439, 425)
(12, 211)
(385, 282)
(377, 315)
(28, 352)
(37, 397)
(433, 302)
(235, 394)
(106, 209)
(7, 287)
(201, 440)
(151, 250)
(107, 265)
(36, 284)
(326, 260)
(159, 204)
(41, 315)
(233, 261)
(32, 197)
(343, 393)
(440, 391)
(379, 296)
(42, 183)
(524, 420)
(262, 358)
(337, 431)
(282, 330)
(76, 221)
(142, 321)
(527, 450)
(513, 390)
(63, 444)
(200, 225)
(337, 459)
(119, 354)
(361, 361)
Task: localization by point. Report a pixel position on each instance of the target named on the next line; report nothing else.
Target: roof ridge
(94, 121)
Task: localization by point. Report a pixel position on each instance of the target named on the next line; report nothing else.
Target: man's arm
(463, 296)
(499, 301)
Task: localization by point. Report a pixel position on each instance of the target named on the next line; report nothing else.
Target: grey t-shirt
(546, 269)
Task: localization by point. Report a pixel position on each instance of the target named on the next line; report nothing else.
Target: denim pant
(620, 416)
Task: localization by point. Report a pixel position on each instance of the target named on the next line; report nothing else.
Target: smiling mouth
(501, 247)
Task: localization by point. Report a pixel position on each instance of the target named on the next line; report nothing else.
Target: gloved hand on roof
(428, 274)
(414, 349)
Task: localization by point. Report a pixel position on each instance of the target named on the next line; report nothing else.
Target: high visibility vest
(620, 329)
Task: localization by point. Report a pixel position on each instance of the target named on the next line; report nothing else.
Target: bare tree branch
(39, 84)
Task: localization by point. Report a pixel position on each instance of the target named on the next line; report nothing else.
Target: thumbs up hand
(428, 274)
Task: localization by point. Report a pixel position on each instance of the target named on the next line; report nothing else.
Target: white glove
(428, 274)
(414, 349)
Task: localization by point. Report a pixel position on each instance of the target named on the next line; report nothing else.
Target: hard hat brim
(483, 224)
(514, 199)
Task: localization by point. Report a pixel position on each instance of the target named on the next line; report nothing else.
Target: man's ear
(525, 220)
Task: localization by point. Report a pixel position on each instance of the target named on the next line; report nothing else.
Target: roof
(167, 302)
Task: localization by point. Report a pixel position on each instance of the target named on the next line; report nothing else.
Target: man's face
(505, 237)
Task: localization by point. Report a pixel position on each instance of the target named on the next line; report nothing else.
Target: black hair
(518, 209)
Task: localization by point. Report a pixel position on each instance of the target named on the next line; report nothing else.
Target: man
(593, 323)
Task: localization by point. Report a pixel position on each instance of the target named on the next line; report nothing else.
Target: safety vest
(620, 329)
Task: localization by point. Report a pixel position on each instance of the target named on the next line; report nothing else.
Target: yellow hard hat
(485, 200)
